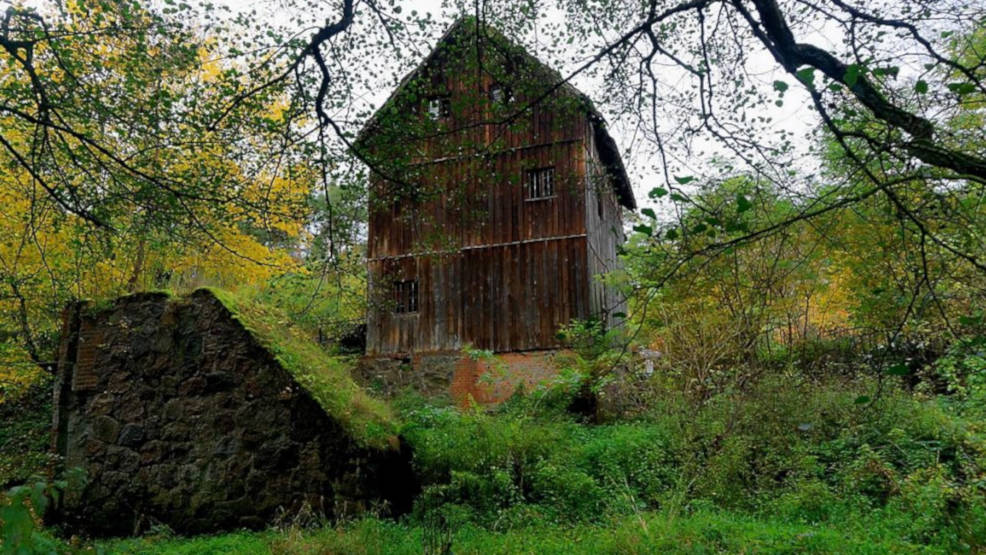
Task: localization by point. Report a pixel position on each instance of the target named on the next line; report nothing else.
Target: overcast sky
(793, 115)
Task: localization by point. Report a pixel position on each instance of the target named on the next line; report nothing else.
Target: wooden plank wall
(495, 270)
(506, 298)
(604, 231)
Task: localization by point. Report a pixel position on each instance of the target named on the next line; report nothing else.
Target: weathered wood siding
(604, 225)
(502, 298)
(495, 269)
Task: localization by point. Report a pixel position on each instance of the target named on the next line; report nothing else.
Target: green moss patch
(326, 378)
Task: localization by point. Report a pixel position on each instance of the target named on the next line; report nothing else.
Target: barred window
(406, 296)
(501, 94)
(540, 183)
(439, 107)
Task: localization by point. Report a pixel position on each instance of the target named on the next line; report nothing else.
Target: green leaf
(921, 86)
(852, 75)
(657, 192)
(645, 229)
(619, 315)
(973, 320)
(678, 198)
(892, 71)
(742, 203)
(684, 180)
(962, 88)
(899, 370)
(862, 400)
(807, 76)
(672, 234)
(780, 86)
(649, 213)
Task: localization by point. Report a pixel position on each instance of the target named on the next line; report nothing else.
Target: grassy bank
(698, 531)
(781, 467)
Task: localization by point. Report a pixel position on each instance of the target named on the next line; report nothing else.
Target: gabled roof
(608, 151)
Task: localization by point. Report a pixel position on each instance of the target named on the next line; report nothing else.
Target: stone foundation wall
(485, 380)
(178, 416)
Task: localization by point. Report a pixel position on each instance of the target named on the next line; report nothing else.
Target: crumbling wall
(179, 416)
(466, 379)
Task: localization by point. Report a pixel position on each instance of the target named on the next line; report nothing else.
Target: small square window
(439, 107)
(406, 296)
(501, 94)
(540, 183)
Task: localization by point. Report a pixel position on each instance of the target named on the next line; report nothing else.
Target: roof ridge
(609, 151)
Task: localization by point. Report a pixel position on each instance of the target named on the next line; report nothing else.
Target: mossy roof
(327, 379)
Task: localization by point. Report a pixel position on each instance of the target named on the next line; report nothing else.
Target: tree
(112, 184)
(110, 106)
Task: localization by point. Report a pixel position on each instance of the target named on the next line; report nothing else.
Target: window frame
(438, 107)
(506, 94)
(534, 183)
(405, 293)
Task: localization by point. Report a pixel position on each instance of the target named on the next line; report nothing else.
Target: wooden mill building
(495, 198)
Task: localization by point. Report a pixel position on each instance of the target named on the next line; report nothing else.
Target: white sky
(793, 116)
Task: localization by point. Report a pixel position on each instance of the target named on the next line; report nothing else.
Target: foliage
(22, 509)
(118, 178)
(801, 453)
(594, 354)
(25, 436)
(327, 302)
(963, 369)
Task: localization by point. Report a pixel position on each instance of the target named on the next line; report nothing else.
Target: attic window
(406, 296)
(439, 106)
(501, 94)
(540, 183)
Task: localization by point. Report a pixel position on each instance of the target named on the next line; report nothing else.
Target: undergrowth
(779, 467)
(898, 469)
(786, 463)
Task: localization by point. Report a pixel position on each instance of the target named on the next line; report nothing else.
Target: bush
(25, 434)
(802, 452)
(512, 468)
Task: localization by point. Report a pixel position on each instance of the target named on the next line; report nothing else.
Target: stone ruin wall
(179, 417)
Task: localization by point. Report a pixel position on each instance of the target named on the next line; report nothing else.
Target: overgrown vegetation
(787, 465)
(325, 377)
(25, 436)
(811, 311)
(858, 461)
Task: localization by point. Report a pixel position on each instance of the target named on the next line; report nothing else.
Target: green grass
(704, 531)
(370, 421)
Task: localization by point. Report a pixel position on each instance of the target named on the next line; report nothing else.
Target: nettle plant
(964, 369)
(22, 510)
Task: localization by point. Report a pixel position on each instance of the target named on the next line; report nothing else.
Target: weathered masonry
(495, 199)
(188, 412)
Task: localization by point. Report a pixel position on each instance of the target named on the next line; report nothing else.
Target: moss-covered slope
(326, 378)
